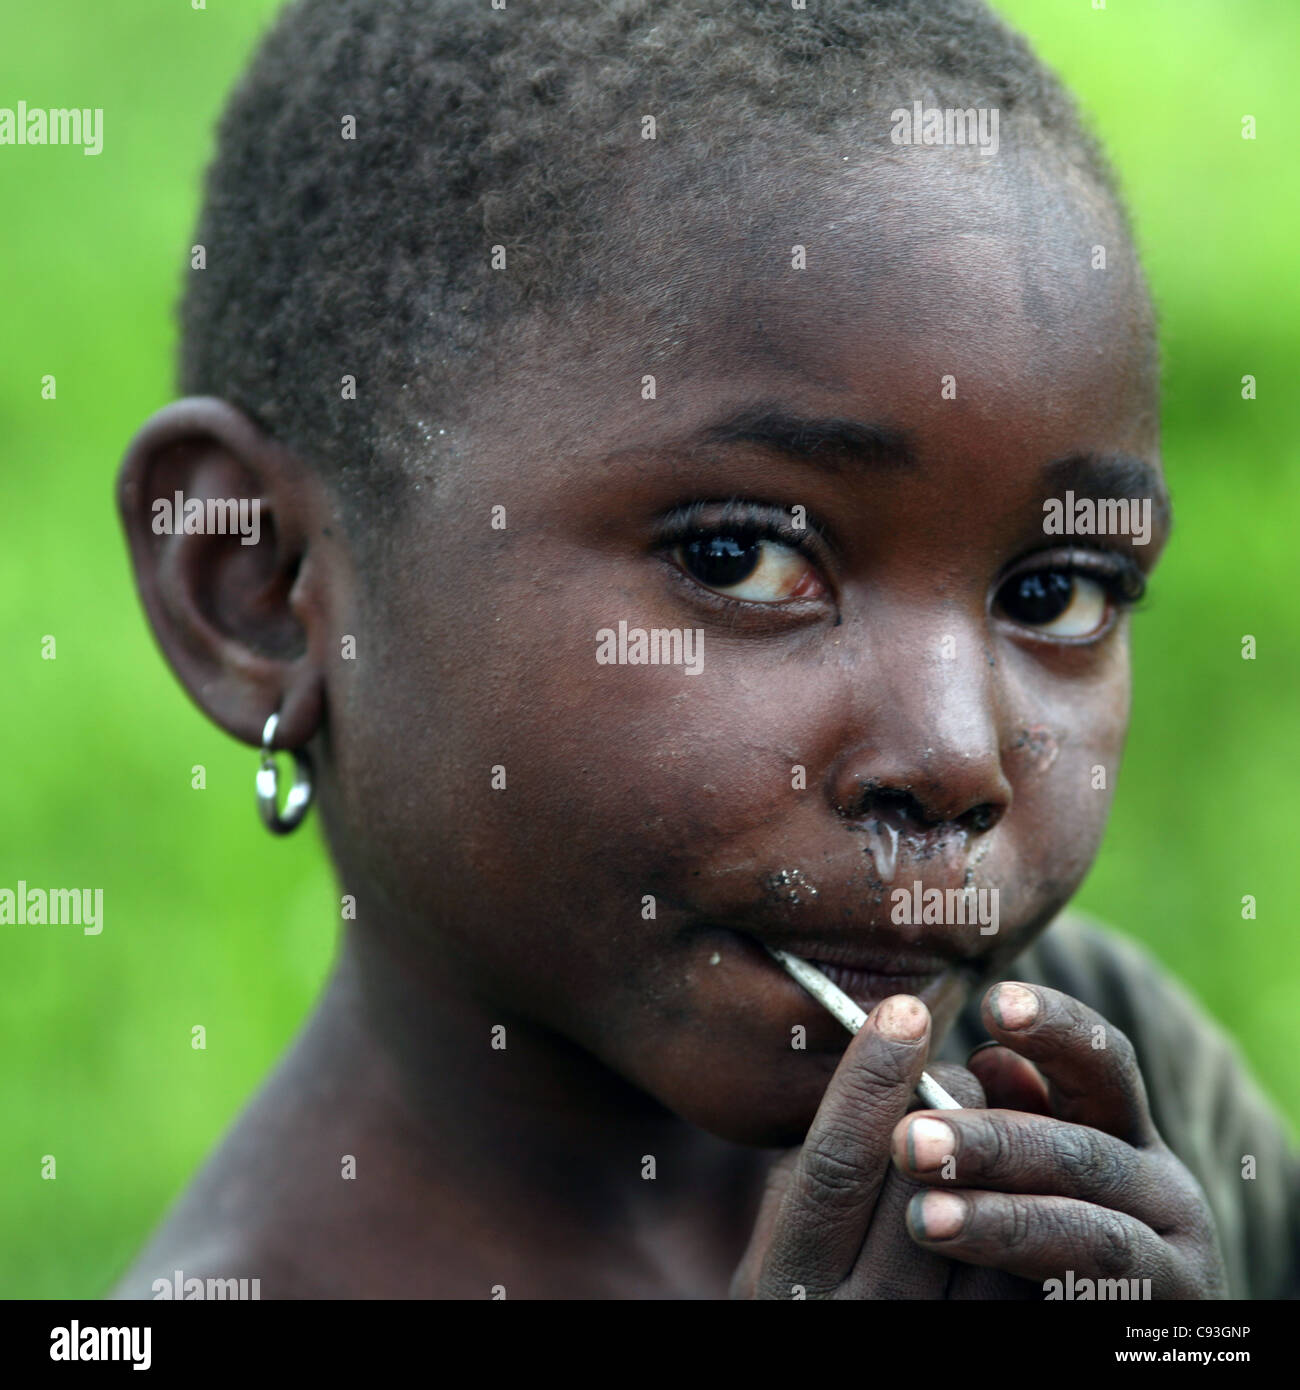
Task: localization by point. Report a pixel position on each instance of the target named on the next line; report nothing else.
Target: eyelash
(1124, 583)
(739, 517)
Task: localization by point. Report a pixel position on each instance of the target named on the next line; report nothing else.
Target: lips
(863, 952)
(874, 985)
(858, 956)
(867, 971)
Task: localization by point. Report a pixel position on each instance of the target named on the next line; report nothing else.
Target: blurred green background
(208, 920)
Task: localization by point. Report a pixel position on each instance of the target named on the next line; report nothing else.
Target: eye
(753, 568)
(1059, 602)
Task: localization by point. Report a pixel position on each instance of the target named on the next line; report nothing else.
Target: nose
(931, 757)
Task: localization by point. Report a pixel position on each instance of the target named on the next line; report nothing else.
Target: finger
(842, 1166)
(974, 1283)
(892, 1268)
(1044, 1237)
(889, 1265)
(1009, 1151)
(1090, 1065)
(744, 1282)
(1010, 1082)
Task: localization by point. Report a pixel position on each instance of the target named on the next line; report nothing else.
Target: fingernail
(929, 1142)
(937, 1215)
(901, 1017)
(1014, 1006)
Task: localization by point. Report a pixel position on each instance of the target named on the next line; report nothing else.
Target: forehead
(957, 299)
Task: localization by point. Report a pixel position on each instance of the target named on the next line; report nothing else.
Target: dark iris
(1040, 597)
(721, 561)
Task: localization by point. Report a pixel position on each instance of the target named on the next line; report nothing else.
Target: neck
(537, 1134)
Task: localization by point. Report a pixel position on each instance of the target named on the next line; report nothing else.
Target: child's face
(901, 663)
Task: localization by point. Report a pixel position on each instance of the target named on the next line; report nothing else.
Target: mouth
(867, 973)
(868, 987)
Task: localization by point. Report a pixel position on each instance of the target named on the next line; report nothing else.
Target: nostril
(980, 818)
(893, 804)
(902, 809)
(896, 804)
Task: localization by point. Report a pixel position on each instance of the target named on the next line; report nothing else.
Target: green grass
(208, 921)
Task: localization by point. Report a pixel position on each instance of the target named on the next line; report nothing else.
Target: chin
(773, 1112)
(758, 1131)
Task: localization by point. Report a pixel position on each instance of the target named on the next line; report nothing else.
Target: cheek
(1062, 756)
(499, 773)
(629, 774)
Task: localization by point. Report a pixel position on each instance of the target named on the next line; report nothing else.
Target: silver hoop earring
(268, 785)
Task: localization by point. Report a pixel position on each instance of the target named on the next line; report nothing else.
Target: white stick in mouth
(838, 1003)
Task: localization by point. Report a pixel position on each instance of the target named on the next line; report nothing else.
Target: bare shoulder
(319, 1191)
(221, 1269)
(236, 1232)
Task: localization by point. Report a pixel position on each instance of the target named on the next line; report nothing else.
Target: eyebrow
(1101, 476)
(834, 443)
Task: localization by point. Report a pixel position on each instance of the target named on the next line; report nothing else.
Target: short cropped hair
(519, 128)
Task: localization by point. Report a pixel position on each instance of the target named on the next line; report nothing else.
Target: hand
(1071, 1174)
(831, 1223)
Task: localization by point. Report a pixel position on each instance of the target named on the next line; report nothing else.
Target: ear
(231, 585)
